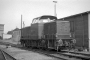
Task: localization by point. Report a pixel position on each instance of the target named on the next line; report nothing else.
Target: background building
(16, 35)
(80, 28)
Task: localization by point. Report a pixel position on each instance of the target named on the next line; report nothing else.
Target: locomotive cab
(37, 28)
(44, 19)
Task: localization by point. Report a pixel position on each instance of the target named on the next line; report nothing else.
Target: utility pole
(55, 13)
(21, 21)
(21, 28)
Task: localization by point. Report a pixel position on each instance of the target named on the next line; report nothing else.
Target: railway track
(63, 56)
(45, 52)
(52, 54)
(73, 55)
(5, 56)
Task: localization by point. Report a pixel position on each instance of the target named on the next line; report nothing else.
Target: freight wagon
(25, 35)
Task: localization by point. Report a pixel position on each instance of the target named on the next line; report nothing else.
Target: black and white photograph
(44, 29)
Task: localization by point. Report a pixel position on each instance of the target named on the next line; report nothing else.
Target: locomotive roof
(45, 17)
(48, 16)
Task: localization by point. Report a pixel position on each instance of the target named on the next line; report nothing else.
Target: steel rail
(79, 56)
(49, 54)
(3, 53)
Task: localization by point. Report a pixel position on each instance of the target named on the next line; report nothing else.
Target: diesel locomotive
(46, 32)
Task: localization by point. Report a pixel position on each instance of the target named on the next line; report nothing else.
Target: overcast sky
(11, 10)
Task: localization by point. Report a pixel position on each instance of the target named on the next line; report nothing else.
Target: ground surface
(25, 55)
(20, 54)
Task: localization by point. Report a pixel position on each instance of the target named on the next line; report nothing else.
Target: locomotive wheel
(57, 49)
(24, 45)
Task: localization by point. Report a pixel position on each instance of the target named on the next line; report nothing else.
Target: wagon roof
(75, 15)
